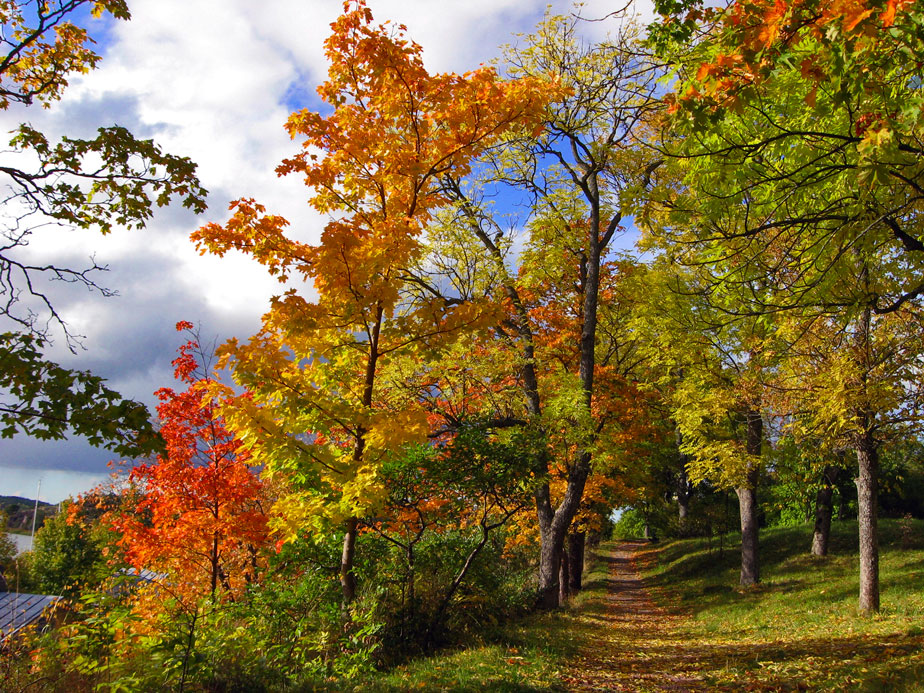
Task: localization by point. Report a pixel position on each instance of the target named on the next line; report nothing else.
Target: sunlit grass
(798, 630)
(802, 621)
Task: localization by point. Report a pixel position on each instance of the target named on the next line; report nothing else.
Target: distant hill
(19, 512)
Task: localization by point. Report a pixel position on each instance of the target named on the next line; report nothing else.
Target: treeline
(468, 372)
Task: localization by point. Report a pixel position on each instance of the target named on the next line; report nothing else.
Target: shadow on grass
(649, 649)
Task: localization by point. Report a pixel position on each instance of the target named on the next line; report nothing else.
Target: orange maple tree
(319, 417)
(846, 44)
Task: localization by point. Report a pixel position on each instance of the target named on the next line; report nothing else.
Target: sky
(215, 86)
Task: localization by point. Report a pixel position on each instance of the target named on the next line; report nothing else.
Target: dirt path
(629, 643)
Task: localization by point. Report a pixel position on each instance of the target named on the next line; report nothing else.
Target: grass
(800, 627)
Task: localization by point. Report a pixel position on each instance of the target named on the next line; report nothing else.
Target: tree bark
(750, 568)
(868, 520)
(347, 577)
(823, 511)
(553, 528)
(684, 490)
(576, 543)
(564, 577)
(747, 503)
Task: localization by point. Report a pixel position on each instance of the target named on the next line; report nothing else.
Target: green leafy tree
(797, 127)
(70, 550)
(7, 552)
(108, 181)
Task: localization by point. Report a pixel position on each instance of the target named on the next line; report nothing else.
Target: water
(23, 541)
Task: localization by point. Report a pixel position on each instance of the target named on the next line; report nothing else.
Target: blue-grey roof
(18, 610)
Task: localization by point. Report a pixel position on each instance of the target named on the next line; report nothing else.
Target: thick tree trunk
(823, 511)
(549, 558)
(576, 543)
(347, 577)
(747, 503)
(868, 520)
(750, 568)
(553, 528)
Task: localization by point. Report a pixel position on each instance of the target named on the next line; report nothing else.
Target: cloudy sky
(215, 85)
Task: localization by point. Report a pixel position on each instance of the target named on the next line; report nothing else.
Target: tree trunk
(576, 543)
(750, 569)
(553, 528)
(684, 490)
(213, 560)
(823, 511)
(564, 578)
(747, 503)
(347, 577)
(867, 516)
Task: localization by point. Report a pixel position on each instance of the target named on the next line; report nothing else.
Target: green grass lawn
(801, 623)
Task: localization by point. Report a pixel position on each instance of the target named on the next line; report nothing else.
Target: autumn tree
(713, 374)
(196, 512)
(319, 417)
(109, 181)
(572, 174)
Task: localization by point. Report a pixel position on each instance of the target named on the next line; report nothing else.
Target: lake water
(23, 541)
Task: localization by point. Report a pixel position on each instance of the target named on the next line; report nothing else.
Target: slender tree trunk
(411, 579)
(214, 562)
(347, 577)
(564, 577)
(684, 490)
(823, 511)
(576, 544)
(747, 503)
(868, 520)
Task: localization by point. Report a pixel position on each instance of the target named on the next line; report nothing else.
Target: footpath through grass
(685, 626)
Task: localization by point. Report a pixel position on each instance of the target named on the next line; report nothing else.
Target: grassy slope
(800, 627)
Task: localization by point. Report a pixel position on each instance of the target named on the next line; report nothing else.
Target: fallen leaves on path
(630, 644)
(627, 642)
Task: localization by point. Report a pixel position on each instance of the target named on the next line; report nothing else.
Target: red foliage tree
(198, 516)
